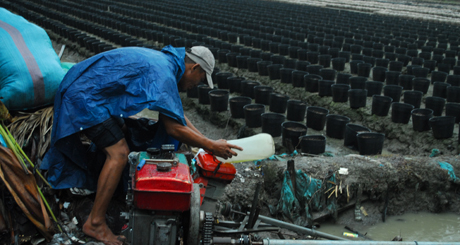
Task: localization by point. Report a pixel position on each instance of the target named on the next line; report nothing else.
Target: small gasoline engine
(172, 197)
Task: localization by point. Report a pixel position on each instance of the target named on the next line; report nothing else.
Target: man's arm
(188, 136)
(190, 125)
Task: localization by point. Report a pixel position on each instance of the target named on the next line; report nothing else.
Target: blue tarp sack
(30, 70)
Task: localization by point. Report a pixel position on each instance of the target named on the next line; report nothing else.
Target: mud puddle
(444, 227)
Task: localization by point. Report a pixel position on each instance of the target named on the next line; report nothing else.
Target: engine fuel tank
(162, 184)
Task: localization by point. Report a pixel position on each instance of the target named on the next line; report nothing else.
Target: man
(97, 93)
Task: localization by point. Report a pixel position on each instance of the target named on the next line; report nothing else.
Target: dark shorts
(107, 133)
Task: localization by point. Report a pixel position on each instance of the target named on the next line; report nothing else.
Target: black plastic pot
(289, 63)
(354, 66)
(453, 80)
(430, 64)
(192, 93)
(370, 143)
(456, 70)
(405, 59)
(252, 115)
(357, 98)
(286, 75)
(405, 81)
(381, 105)
(234, 84)
(401, 112)
(369, 60)
(382, 62)
(266, 56)
(312, 57)
(440, 89)
(436, 104)
(438, 76)
(311, 82)
(327, 74)
(262, 94)
(325, 60)
(301, 65)
(378, 73)
(335, 126)
(421, 84)
(351, 130)
(343, 78)
(357, 57)
(231, 59)
(443, 67)
(314, 69)
(418, 61)
(237, 104)
(221, 79)
(203, 94)
(296, 110)
(393, 91)
(262, 67)
(271, 123)
(274, 71)
(443, 127)
(242, 61)
(313, 144)
(346, 55)
(373, 88)
(396, 66)
(324, 88)
(357, 82)
(364, 69)
(218, 98)
(392, 77)
(420, 118)
(298, 79)
(292, 131)
(278, 102)
(340, 92)
(413, 97)
(338, 64)
(453, 110)
(453, 94)
(390, 56)
(420, 72)
(316, 117)
(247, 87)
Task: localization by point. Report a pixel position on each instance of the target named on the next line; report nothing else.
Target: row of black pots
(294, 133)
(236, 56)
(135, 44)
(316, 116)
(133, 12)
(239, 17)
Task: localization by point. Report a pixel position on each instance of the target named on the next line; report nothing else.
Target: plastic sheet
(298, 207)
(450, 171)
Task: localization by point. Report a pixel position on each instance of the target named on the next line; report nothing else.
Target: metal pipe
(298, 229)
(267, 241)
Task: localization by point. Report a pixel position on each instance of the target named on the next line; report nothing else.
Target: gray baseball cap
(203, 56)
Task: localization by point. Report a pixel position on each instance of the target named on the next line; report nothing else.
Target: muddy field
(403, 179)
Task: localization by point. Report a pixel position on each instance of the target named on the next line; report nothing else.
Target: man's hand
(223, 149)
(189, 136)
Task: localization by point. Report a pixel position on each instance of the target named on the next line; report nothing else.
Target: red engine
(168, 204)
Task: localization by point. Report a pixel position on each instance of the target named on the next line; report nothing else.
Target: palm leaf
(24, 126)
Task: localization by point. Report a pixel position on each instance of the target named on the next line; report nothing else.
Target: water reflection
(411, 227)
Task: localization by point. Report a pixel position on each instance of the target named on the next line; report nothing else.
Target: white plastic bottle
(256, 147)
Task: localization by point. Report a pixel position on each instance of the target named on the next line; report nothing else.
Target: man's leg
(96, 225)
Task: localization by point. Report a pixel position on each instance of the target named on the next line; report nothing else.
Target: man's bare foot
(101, 232)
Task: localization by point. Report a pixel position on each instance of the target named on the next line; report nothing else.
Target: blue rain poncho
(117, 83)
